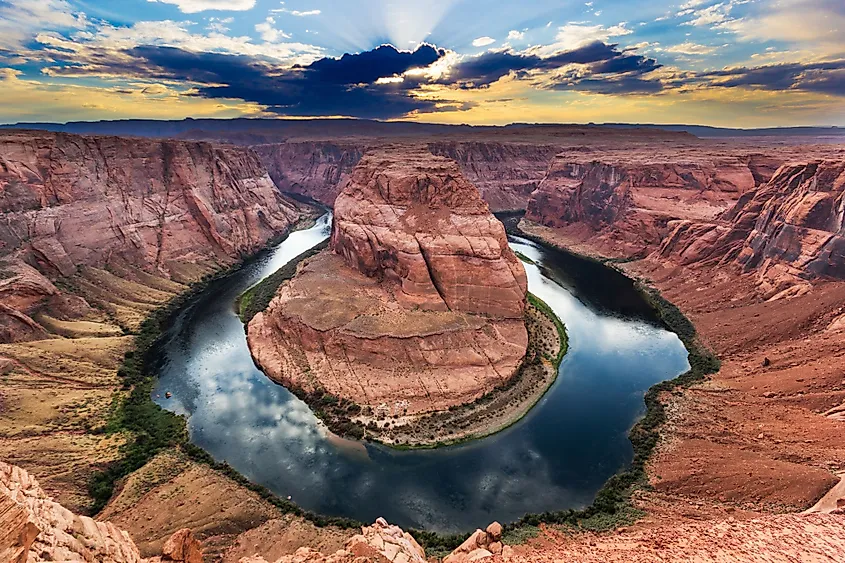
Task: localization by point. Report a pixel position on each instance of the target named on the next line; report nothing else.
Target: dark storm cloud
(486, 69)
(821, 77)
(344, 86)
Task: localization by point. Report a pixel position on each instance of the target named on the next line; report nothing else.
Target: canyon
(746, 237)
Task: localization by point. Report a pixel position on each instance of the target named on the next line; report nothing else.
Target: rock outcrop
(169, 208)
(379, 543)
(417, 306)
(34, 528)
(789, 231)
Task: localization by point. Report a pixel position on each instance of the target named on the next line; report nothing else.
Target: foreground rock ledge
(417, 306)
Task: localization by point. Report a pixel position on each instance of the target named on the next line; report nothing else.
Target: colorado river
(557, 457)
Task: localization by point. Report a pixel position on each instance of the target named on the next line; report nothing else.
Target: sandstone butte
(417, 305)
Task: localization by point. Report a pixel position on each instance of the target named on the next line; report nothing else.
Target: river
(557, 457)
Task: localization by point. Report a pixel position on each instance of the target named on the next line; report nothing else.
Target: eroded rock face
(417, 307)
(412, 218)
(169, 208)
(505, 173)
(789, 231)
(621, 200)
(315, 169)
(34, 528)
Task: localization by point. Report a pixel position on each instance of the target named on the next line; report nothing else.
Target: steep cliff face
(315, 169)
(172, 209)
(593, 200)
(413, 218)
(621, 203)
(418, 305)
(505, 173)
(789, 229)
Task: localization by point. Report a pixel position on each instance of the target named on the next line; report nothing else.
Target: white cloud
(483, 41)
(574, 35)
(194, 6)
(268, 31)
(22, 19)
(690, 48)
(297, 12)
(514, 35)
(711, 15)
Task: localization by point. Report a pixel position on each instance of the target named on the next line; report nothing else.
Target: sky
(734, 63)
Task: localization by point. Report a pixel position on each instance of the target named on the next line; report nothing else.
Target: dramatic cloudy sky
(717, 62)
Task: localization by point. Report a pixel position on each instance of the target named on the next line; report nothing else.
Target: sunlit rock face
(417, 306)
(173, 209)
(412, 218)
(789, 231)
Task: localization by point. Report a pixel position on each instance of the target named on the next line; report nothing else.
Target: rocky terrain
(623, 199)
(762, 282)
(97, 232)
(417, 306)
(77, 206)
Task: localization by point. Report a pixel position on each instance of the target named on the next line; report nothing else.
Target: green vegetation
(524, 258)
(517, 536)
(561, 329)
(258, 297)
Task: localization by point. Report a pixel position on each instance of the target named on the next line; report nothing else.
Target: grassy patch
(517, 536)
(524, 258)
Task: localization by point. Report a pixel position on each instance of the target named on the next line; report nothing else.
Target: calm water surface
(555, 458)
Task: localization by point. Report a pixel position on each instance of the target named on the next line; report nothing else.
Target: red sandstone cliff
(620, 200)
(790, 229)
(170, 208)
(315, 169)
(505, 173)
(419, 304)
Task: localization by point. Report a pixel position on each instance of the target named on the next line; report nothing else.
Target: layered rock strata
(621, 200)
(506, 174)
(167, 208)
(417, 306)
(789, 231)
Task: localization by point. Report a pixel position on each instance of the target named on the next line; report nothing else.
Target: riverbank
(501, 408)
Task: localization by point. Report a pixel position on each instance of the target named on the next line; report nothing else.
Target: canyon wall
(505, 173)
(417, 306)
(315, 169)
(620, 200)
(789, 230)
(170, 209)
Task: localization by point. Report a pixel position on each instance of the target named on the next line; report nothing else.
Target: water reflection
(557, 457)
